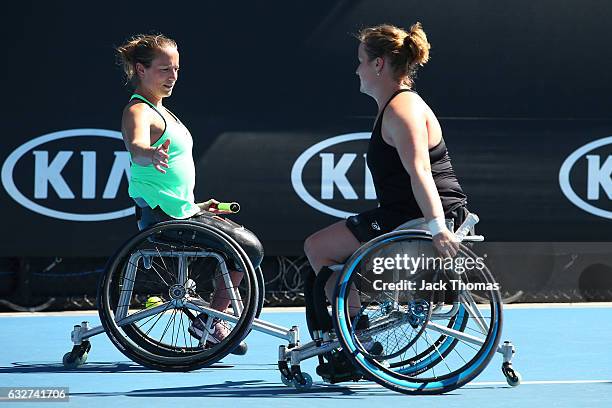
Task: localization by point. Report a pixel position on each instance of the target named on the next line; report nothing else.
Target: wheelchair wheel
(261, 289)
(176, 266)
(437, 351)
(435, 336)
(443, 345)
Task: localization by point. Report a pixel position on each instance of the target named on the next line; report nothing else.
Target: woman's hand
(160, 157)
(211, 206)
(446, 243)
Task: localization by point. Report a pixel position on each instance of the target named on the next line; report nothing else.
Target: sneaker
(373, 347)
(363, 322)
(216, 334)
(339, 369)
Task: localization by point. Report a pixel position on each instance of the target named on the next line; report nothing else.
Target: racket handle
(233, 207)
(468, 224)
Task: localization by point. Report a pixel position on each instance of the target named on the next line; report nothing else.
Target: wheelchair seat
(421, 224)
(414, 224)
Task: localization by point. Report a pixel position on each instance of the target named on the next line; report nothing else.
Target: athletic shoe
(339, 369)
(372, 346)
(216, 334)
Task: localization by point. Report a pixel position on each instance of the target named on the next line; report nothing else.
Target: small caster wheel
(513, 378)
(303, 387)
(71, 361)
(286, 381)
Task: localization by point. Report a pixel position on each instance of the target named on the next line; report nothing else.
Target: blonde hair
(141, 48)
(405, 51)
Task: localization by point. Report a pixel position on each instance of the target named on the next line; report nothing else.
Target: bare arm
(135, 128)
(404, 123)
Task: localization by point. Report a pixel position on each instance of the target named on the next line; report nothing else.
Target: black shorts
(373, 223)
(148, 216)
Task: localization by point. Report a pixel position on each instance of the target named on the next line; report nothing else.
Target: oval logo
(333, 174)
(598, 173)
(48, 170)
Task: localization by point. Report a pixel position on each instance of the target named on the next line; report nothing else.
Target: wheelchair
(429, 340)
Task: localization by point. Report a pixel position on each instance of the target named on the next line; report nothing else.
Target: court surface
(564, 353)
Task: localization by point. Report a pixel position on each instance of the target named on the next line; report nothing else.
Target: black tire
(261, 289)
(173, 237)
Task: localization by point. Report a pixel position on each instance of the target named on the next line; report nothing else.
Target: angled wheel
(261, 289)
(77, 356)
(513, 377)
(306, 385)
(180, 263)
(436, 337)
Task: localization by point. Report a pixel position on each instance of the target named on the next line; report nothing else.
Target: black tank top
(392, 181)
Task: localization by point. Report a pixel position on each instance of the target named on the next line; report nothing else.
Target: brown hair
(405, 51)
(141, 48)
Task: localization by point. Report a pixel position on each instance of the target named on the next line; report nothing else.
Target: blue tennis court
(562, 353)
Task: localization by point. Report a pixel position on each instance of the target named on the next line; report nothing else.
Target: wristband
(436, 226)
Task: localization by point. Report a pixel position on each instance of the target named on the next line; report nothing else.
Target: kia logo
(49, 173)
(333, 172)
(599, 176)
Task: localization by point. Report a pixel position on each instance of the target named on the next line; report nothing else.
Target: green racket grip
(233, 207)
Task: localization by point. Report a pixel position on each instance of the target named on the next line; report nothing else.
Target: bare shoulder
(135, 111)
(135, 123)
(406, 106)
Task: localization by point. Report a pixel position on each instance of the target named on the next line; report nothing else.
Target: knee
(253, 247)
(311, 247)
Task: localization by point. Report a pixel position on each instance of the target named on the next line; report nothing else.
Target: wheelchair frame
(291, 355)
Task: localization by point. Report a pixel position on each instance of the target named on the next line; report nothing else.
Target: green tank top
(172, 191)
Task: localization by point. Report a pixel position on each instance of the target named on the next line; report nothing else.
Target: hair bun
(408, 40)
(405, 50)
(140, 48)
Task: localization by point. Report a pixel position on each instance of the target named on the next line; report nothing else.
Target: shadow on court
(261, 389)
(90, 367)
(236, 389)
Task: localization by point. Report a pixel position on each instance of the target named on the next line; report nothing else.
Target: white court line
(544, 382)
(581, 305)
(491, 383)
(300, 309)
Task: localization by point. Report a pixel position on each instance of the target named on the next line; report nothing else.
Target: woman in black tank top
(391, 177)
(407, 157)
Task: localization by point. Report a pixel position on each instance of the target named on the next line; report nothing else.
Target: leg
(245, 238)
(221, 299)
(329, 246)
(311, 318)
(222, 296)
(248, 241)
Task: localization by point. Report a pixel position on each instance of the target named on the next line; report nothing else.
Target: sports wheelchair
(426, 337)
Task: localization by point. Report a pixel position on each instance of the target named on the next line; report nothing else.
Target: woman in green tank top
(162, 170)
(162, 176)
